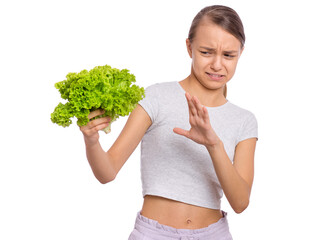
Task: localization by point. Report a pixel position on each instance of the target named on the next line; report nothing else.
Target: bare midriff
(178, 214)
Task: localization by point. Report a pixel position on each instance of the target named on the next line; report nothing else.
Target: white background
(285, 76)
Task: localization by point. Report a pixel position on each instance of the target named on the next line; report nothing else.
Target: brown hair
(223, 16)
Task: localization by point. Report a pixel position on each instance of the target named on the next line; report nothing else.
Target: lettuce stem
(108, 128)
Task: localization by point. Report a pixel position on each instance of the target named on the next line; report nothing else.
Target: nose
(216, 64)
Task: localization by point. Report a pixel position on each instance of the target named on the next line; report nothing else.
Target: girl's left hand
(201, 130)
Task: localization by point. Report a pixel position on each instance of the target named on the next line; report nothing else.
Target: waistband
(144, 224)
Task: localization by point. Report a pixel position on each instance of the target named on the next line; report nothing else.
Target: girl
(195, 144)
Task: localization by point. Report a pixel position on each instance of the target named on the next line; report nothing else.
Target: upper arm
(244, 159)
(136, 126)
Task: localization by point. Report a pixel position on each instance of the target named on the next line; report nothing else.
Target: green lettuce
(102, 87)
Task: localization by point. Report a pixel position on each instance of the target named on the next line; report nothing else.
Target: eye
(229, 56)
(204, 52)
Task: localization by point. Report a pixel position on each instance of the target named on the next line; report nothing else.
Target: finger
(181, 131)
(198, 106)
(188, 96)
(192, 109)
(99, 127)
(96, 113)
(200, 109)
(99, 121)
(96, 125)
(206, 115)
(92, 124)
(93, 130)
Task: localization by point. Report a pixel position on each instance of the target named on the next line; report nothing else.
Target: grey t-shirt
(175, 167)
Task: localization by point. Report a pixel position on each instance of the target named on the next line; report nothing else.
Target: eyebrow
(213, 50)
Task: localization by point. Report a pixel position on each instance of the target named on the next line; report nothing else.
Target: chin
(213, 84)
(209, 83)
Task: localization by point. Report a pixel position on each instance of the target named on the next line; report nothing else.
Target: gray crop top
(175, 167)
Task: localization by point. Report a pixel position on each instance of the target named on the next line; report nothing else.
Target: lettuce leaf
(102, 87)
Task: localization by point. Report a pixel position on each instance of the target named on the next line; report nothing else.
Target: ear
(188, 43)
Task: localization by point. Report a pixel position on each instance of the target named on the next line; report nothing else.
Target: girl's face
(215, 54)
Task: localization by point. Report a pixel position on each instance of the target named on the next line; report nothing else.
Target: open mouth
(215, 76)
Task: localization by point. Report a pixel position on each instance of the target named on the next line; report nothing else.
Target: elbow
(239, 208)
(106, 179)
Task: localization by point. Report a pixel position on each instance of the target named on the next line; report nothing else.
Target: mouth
(216, 77)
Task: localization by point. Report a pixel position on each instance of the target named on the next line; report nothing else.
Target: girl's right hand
(90, 130)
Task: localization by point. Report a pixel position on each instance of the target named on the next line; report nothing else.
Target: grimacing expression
(214, 53)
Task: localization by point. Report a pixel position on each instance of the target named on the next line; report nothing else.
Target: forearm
(100, 163)
(235, 188)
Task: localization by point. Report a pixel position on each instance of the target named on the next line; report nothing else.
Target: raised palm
(201, 130)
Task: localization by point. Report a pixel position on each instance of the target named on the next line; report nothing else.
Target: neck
(208, 97)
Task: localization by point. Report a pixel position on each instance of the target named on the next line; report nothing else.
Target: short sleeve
(249, 129)
(150, 102)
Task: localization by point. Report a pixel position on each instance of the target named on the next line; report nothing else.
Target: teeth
(215, 75)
